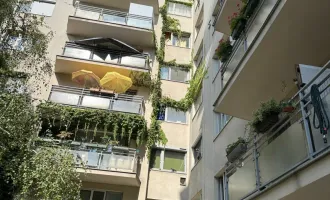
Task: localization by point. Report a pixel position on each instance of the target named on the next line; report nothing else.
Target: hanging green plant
(224, 50)
(112, 122)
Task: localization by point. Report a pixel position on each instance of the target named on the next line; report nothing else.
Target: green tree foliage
(27, 171)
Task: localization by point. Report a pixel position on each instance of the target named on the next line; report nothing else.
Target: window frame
(100, 190)
(169, 75)
(198, 142)
(166, 116)
(162, 159)
(220, 117)
(176, 12)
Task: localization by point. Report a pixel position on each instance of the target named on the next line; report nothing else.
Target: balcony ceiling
(67, 65)
(109, 177)
(229, 7)
(124, 4)
(90, 28)
(299, 34)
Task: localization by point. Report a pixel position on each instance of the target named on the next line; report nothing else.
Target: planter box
(267, 123)
(239, 28)
(250, 8)
(237, 152)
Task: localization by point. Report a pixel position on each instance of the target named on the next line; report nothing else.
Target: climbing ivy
(190, 4)
(57, 118)
(141, 79)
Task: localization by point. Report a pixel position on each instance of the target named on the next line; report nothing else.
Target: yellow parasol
(116, 82)
(86, 78)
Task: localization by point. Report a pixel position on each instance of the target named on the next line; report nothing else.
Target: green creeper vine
(156, 134)
(121, 125)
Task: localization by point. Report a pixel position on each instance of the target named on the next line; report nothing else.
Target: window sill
(174, 122)
(196, 164)
(179, 15)
(222, 129)
(178, 46)
(184, 82)
(167, 171)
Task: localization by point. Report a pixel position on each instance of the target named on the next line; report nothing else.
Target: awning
(116, 47)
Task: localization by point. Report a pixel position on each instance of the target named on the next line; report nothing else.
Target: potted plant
(236, 149)
(287, 106)
(266, 116)
(250, 7)
(224, 50)
(237, 25)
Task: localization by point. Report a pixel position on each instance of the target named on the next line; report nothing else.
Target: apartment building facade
(118, 36)
(268, 60)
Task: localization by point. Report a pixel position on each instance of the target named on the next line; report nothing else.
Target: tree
(27, 171)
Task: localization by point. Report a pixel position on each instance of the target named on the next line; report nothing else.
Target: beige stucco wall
(176, 134)
(174, 90)
(165, 186)
(129, 193)
(196, 179)
(182, 55)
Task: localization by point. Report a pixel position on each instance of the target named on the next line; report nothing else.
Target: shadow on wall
(184, 195)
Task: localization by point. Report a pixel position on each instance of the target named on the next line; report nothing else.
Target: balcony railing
(85, 98)
(112, 16)
(117, 158)
(105, 55)
(287, 147)
(253, 28)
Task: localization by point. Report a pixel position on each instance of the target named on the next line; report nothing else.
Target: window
(220, 192)
(100, 195)
(197, 150)
(179, 9)
(173, 115)
(42, 7)
(221, 121)
(183, 41)
(168, 160)
(167, 73)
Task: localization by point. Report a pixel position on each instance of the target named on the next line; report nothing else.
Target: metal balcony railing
(106, 55)
(112, 16)
(114, 159)
(85, 98)
(241, 46)
(290, 145)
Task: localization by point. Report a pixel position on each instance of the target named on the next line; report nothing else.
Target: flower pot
(288, 109)
(267, 123)
(239, 28)
(226, 54)
(239, 150)
(250, 8)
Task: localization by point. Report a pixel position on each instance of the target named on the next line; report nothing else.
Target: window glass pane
(77, 53)
(164, 72)
(179, 75)
(174, 161)
(175, 41)
(198, 151)
(184, 42)
(175, 116)
(98, 195)
(114, 196)
(85, 194)
(42, 8)
(156, 159)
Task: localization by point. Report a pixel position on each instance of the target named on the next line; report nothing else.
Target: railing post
(306, 125)
(256, 162)
(126, 18)
(101, 15)
(76, 7)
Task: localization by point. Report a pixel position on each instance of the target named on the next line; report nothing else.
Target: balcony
(118, 166)
(77, 56)
(292, 149)
(85, 98)
(224, 8)
(124, 4)
(264, 58)
(91, 21)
